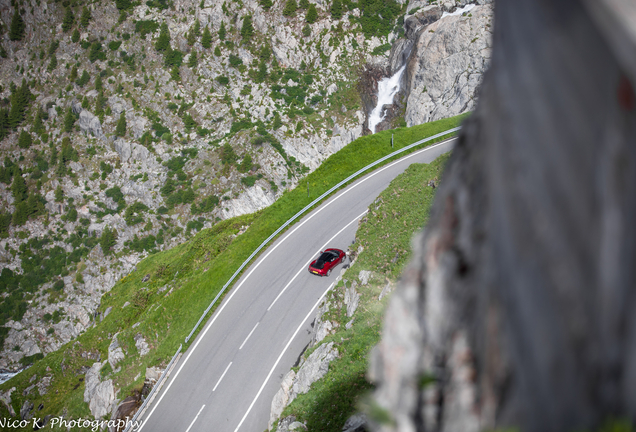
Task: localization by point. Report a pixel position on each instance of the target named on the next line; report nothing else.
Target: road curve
(226, 380)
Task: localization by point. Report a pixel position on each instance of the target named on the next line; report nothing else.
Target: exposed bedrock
(517, 309)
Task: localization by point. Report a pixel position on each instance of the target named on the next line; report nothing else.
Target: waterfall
(387, 89)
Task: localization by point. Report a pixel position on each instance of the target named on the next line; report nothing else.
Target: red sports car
(327, 261)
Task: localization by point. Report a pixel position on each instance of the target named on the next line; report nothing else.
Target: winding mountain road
(226, 380)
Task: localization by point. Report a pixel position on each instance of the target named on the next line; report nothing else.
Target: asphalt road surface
(226, 380)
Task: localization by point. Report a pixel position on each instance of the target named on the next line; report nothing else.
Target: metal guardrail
(307, 207)
(156, 387)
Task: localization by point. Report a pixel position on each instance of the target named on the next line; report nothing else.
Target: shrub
(223, 80)
(144, 27)
(96, 52)
(266, 4)
(336, 9)
(249, 181)
(235, 60)
(133, 214)
(25, 140)
(227, 154)
(114, 45)
(306, 30)
(290, 8)
(240, 125)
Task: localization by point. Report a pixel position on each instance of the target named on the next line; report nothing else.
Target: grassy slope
(192, 273)
(385, 233)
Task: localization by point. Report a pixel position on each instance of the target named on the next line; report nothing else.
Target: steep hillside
(126, 127)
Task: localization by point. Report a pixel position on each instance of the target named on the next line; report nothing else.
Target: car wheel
(328, 272)
(343, 259)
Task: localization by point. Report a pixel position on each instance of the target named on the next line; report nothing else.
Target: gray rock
(25, 412)
(314, 368)
(5, 398)
(153, 374)
(107, 311)
(115, 353)
(100, 396)
(364, 276)
(351, 299)
(43, 385)
(289, 424)
(90, 124)
(355, 423)
(519, 301)
(448, 60)
(142, 345)
(281, 398)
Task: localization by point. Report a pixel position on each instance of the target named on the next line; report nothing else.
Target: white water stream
(387, 89)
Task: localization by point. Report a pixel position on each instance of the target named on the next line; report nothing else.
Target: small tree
(108, 240)
(277, 123)
(86, 17)
(120, 130)
(247, 30)
(193, 61)
(16, 31)
(196, 28)
(222, 31)
(52, 63)
(306, 30)
(59, 194)
(175, 74)
(18, 187)
(312, 14)
(69, 20)
(191, 38)
(73, 75)
(163, 41)
(217, 51)
(98, 83)
(38, 127)
(75, 37)
(266, 4)
(25, 140)
(303, 4)
(336, 9)
(290, 8)
(206, 39)
(69, 121)
(84, 79)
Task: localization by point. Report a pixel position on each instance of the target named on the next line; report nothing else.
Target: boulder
(25, 412)
(115, 353)
(100, 396)
(90, 124)
(314, 368)
(5, 398)
(142, 345)
(351, 299)
(281, 398)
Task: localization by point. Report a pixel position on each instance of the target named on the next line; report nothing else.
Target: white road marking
(219, 381)
(195, 419)
(235, 290)
(310, 259)
(248, 336)
(281, 356)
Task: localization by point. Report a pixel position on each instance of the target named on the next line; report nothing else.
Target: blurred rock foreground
(517, 310)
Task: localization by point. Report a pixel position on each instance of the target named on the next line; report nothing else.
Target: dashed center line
(195, 419)
(248, 336)
(224, 372)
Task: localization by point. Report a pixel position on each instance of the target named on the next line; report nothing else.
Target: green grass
(192, 274)
(401, 210)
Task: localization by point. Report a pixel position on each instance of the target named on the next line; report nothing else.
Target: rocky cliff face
(516, 310)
